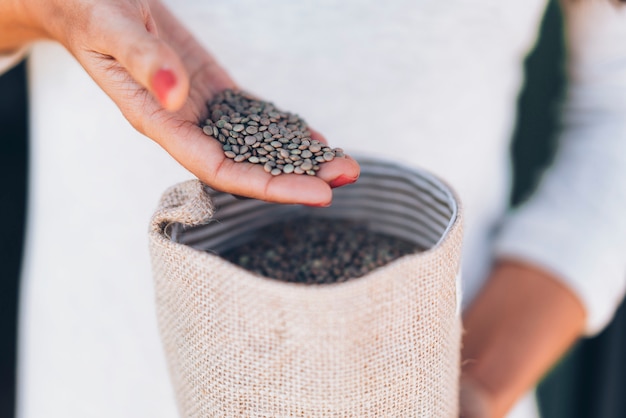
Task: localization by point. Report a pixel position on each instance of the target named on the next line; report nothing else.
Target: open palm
(135, 41)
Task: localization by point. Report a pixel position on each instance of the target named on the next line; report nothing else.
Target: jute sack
(383, 345)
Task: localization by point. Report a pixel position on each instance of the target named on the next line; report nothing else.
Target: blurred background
(590, 381)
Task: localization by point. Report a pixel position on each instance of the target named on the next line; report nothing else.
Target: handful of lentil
(255, 131)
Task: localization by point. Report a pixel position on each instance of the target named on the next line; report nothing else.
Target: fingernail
(162, 82)
(342, 180)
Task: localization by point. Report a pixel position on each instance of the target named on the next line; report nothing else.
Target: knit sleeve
(574, 226)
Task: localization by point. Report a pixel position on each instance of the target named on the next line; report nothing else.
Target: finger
(204, 157)
(253, 181)
(290, 188)
(147, 58)
(340, 171)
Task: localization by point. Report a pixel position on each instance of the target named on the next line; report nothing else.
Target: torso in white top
(429, 84)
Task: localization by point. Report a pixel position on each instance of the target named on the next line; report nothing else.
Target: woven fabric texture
(383, 345)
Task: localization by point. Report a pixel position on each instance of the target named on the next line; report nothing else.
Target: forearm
(572, 227)
(517, 328)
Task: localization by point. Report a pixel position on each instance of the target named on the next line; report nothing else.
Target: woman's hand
(161, 78)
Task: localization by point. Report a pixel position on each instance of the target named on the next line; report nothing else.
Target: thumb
(136, 46)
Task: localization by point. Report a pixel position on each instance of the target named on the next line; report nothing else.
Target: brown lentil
(237, 118)
(317, 251)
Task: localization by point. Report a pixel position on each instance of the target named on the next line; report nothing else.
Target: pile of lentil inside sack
(317, 251)
(256, 132)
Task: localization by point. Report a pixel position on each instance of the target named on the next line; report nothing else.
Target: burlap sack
(383, 345)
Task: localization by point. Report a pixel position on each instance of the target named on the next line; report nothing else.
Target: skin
(522, 322)
(160, 77)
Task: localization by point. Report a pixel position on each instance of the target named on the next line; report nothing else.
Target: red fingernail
(342, 180)
(162, 82)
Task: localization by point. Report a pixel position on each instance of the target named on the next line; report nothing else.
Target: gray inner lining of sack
(393, 200)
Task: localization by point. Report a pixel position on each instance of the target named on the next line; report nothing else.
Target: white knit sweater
(430, 84)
